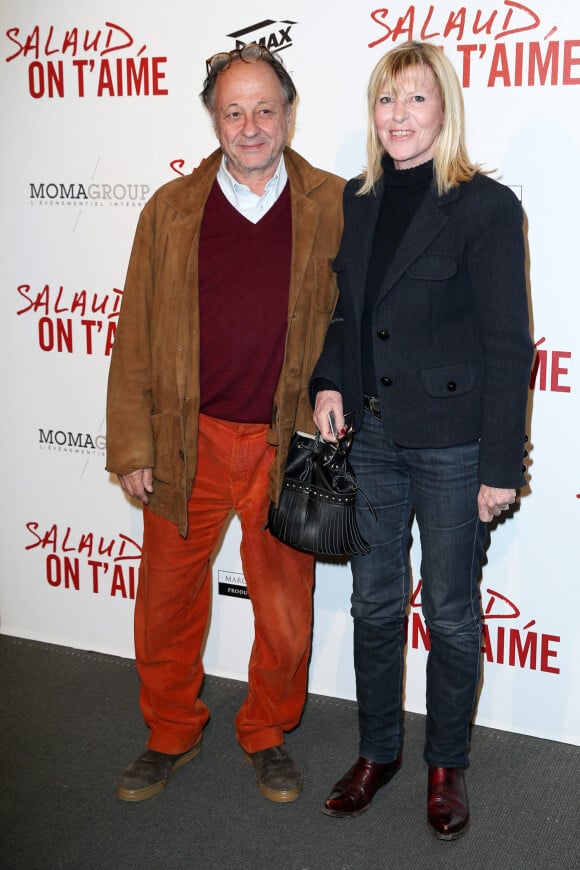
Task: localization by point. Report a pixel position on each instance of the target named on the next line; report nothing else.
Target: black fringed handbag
(316, 511)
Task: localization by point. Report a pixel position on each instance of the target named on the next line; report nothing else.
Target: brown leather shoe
(150, 773)
(447, 808)
(277, 777)
(352, 794)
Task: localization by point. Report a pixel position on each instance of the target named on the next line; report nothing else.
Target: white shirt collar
(251, 205)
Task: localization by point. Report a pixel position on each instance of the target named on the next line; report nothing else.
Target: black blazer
(452, 349)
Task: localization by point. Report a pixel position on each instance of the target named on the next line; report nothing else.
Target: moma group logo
(117, 194)
(274, 35)
(54, 440)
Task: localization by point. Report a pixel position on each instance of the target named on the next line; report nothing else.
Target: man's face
(251, 121)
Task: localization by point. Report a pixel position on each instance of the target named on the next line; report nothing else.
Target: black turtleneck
(404, 190)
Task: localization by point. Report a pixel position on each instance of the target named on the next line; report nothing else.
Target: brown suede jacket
(153, 392)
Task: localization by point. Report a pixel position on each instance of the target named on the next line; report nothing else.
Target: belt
(373, 405)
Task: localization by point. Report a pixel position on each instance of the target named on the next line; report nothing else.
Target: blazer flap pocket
(449, 381)
(433, 267)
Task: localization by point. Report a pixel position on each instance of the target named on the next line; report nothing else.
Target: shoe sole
(337, 814)
(141, 794)
(454, 836)
(279, 797)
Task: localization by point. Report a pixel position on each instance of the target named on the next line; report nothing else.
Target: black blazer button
(451, 386)
(383, 334)
(386, 382)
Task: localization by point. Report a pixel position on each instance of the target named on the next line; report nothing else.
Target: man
(228, 295)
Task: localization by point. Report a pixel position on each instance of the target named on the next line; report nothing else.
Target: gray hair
(250, 53)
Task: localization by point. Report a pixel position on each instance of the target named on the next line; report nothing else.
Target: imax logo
(268, 33)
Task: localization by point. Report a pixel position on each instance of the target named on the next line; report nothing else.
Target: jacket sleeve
(129, 394)
(497, 274)
(328, 369)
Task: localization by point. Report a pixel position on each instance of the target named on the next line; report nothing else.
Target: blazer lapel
(364, 216)
(189, 206)
(305, 217)
(183, 249)
(423, 229)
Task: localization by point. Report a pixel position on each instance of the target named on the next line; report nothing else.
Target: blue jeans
(441, 486)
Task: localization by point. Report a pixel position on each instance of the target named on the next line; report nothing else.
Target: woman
(430, 347)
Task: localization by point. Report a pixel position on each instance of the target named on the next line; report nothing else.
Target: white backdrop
(100, 107)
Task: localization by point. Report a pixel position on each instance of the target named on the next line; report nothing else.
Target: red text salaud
(489, 36)
(110, 564)
(98, 69)
(91, 323)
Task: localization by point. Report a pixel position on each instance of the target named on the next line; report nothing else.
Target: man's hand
(138, 484)
(492, 501)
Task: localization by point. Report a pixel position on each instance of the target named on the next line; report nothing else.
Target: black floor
(69, 722)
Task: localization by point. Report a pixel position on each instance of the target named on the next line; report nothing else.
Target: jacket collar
(425, 226)
(188, 196)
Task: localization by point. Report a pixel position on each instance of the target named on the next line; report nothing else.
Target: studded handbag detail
(316, 512)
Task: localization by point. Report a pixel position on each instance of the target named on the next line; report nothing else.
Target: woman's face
(408, 124)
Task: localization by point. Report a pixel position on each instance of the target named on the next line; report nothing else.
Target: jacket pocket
(325, 288)
(433, 267)
(162, 469)
(449, 381)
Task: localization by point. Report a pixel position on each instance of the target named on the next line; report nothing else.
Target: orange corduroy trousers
(174, 594)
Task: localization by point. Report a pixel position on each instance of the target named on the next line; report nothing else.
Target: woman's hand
(329, 401)
(491, 501)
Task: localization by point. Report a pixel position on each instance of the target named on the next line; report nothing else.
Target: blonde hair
(451, 163)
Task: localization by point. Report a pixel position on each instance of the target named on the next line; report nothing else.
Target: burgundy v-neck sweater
(244, 277)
